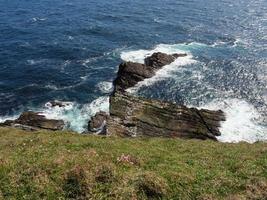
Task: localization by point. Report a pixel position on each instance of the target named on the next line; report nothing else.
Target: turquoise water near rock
(70, 51)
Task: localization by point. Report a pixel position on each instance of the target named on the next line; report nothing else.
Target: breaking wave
(74, 115)
(242, 121)
(105, 87)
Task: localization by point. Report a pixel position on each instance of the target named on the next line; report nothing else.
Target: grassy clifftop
(61, 165)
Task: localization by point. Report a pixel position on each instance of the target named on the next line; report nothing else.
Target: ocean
(70, 51)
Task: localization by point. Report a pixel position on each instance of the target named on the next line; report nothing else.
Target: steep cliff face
(134, 116)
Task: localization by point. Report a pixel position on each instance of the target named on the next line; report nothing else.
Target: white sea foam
(35, 19)
(70, 37)
(242, 121)
(164, 73)
(218, 43)
(237, 42)
(4, 118)
(99, 104)
(75, 116)
(139, 55)
(105, 87)
(54, 87)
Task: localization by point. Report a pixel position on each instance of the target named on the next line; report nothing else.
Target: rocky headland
(132, 116)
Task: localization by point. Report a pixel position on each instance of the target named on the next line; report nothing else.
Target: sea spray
(242, 121)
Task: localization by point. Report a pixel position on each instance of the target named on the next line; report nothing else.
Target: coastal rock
(34, 121)
(57, 103)
(158, 60)
(135, 116)
(130, 73)
(97, 124)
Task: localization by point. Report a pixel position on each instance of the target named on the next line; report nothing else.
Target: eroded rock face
(34, 121)
(97, 124)
(134, 116)
(130, 73)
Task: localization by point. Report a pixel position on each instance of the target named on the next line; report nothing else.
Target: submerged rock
(135, 116)
(34, 121)
(57, 103)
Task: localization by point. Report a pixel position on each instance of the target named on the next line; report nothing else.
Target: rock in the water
(34, 121)
(97, 124)
(130, 74)
(135, 116)
(57, 103)
(158, 60)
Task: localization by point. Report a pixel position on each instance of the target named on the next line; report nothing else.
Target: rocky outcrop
(132, 116)
(97, 124)
(135, 116)
(130, 73)
(34, 121)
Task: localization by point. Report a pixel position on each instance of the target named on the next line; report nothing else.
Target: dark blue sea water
(70, 51)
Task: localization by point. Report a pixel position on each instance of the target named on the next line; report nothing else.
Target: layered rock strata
(132, 116)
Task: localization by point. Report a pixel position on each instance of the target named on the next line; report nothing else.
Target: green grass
(62, 165)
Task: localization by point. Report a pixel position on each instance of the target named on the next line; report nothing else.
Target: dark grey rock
(34, 121)
(97, 124)
(135, 116)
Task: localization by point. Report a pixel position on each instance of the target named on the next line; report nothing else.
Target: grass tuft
(151, 186)
(76, 184)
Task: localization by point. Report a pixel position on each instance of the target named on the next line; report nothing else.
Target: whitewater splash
(105, 87)
(139, 55)
(242, 121)
(4, 118)
(74, 115)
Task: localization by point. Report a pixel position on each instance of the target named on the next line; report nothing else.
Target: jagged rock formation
(130, 73)
(34, 121)
(135, 116)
